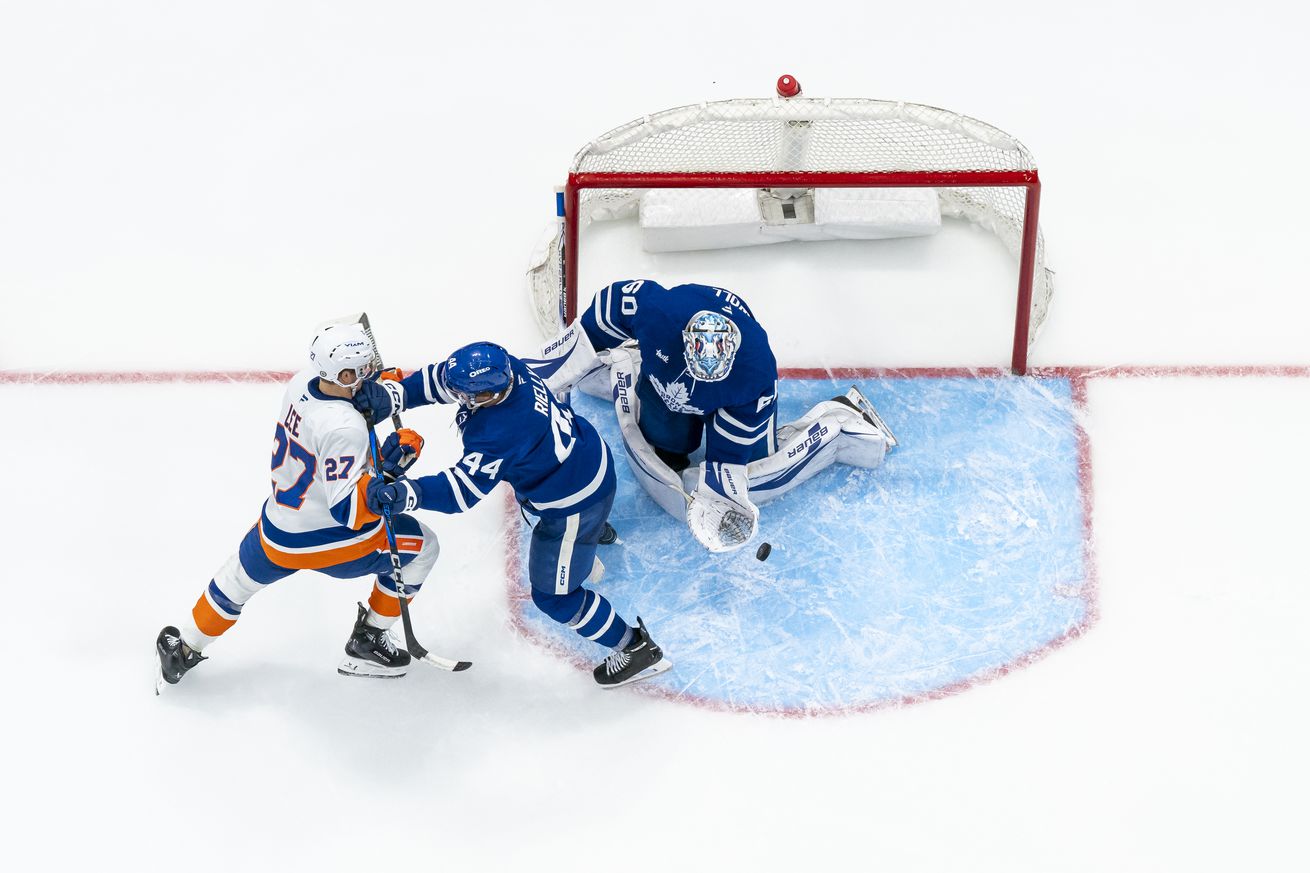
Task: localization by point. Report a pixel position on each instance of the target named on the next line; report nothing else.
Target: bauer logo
(621, 386)
(558, 344)
(811, 441)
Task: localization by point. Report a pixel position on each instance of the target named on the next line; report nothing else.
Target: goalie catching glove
(720, 514)
(383, 395)
(399, 451)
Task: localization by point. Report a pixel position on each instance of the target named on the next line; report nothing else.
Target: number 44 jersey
(316, 516)
(554, 460)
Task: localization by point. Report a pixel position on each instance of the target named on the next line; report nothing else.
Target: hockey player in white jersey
(689, 364)
(317, 517)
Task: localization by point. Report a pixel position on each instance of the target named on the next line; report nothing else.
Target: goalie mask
(341, 347)
(479, 374)
(709, 343)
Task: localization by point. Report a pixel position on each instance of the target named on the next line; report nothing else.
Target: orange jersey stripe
(332, 557)
(363, 515)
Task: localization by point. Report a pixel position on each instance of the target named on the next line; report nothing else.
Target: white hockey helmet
(341, 347)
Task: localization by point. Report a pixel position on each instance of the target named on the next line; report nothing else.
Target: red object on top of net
(788, 86)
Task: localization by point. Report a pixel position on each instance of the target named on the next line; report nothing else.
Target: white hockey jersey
(316, 516)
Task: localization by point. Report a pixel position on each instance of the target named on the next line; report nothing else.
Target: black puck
(763, 551)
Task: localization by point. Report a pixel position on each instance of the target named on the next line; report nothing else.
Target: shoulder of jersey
(334, 415)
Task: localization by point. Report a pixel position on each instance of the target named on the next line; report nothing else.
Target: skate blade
(856, 396)
(653, 670)
(369, 670)
(159, 675)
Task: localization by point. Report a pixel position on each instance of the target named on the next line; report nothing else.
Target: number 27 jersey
(316, 515)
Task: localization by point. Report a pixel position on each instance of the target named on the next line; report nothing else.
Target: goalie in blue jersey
(515, 431)
(689, 365)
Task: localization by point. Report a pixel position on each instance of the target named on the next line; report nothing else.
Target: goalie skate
(856, 398)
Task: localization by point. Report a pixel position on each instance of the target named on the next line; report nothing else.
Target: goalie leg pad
(662, 484)
(830, 432)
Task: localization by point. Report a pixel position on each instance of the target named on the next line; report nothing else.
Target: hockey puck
(763, 551)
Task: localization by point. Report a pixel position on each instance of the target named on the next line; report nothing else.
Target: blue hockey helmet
(479, 374)
(709, 343)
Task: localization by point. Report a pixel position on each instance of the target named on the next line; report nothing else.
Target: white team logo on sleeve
(675, 396)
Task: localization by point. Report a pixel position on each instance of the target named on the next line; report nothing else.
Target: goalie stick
(412, 645)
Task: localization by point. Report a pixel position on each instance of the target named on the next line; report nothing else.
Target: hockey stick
(412, 645)
(411, 642)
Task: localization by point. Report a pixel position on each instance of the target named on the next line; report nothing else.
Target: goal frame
(1026, 179)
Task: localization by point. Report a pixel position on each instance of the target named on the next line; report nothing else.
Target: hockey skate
(639, 659)
(855, 399)
(370, 652)
(609, 536)
(172, 658)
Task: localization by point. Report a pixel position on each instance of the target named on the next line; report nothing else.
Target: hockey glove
(720, 513)
(402, 495)
(383, 395)
(400, 449)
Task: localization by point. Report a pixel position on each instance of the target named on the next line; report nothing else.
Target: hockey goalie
(689, 365)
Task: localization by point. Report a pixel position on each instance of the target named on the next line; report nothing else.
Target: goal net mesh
(800, 135)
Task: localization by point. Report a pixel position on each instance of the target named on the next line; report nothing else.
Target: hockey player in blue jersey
(515, 431)
(690, 364)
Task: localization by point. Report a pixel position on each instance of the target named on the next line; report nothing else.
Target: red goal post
(979, 173)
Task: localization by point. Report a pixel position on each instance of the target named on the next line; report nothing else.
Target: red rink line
(1111, 372)
(139, 377)
(112, 377)
(518, 592)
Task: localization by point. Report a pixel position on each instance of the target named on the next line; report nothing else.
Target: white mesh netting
(802, 135)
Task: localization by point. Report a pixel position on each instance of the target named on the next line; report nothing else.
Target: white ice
(187, 187)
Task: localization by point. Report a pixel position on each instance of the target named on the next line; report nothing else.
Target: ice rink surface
(186, 191)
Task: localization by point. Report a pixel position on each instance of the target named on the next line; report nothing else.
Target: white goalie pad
(566, 359)
(661, 483)
(831, 432)
(692, 219)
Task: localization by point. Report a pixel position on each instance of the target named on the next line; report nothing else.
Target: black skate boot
(609, 536)
(370, 652)
(639, 659)
(173, 658)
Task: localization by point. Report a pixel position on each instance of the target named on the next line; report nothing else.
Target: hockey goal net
(791, 145)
